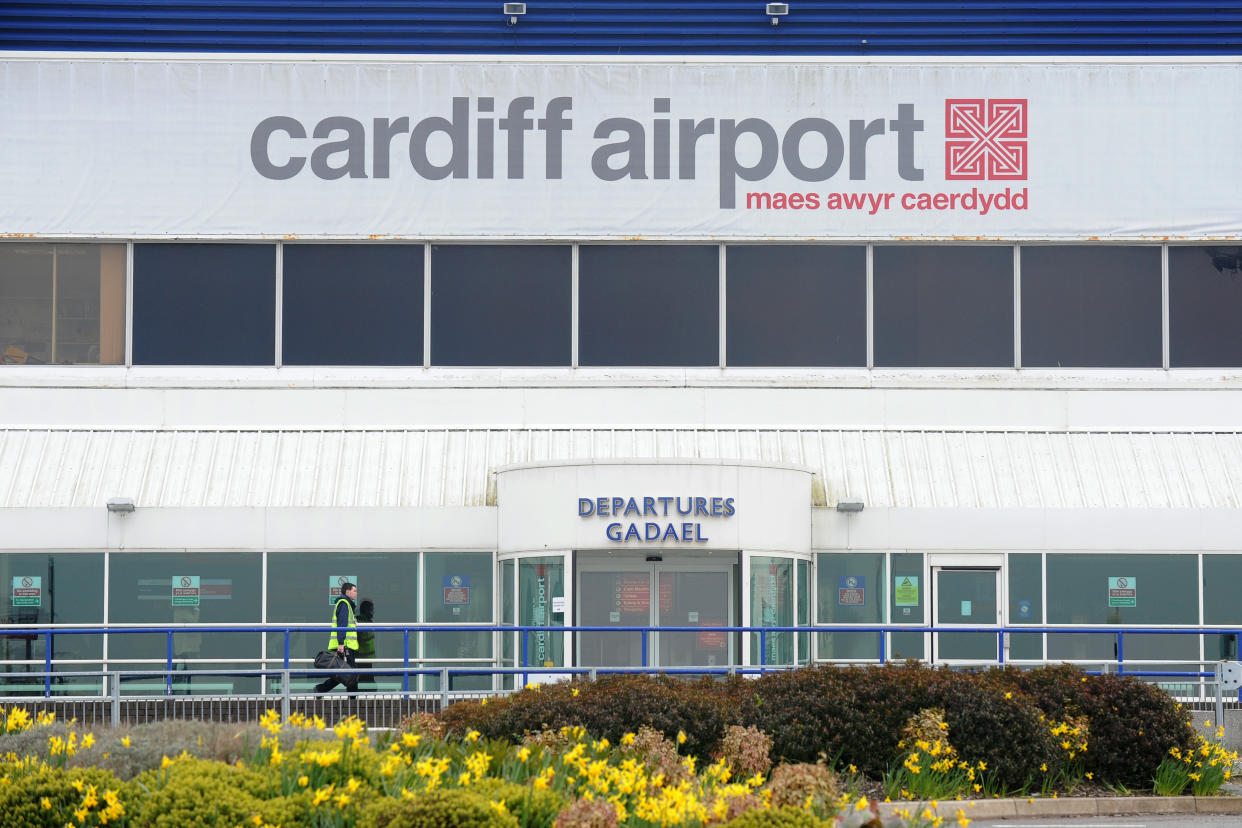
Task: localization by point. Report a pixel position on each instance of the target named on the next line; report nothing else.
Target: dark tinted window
(501, 305)
(353, 304)
(204, 304)
(649, 305)
(1205, 307)
(796, 305)
(944, 306)
(1091, 307)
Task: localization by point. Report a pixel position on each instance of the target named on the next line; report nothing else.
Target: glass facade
(837, 589)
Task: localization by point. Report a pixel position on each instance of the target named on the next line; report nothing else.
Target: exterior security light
(123, 505)
(850, 505)
(513, 11)
(776, 11)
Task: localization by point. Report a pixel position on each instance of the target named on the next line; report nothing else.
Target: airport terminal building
(521, 328)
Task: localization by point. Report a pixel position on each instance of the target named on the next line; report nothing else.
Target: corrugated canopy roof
(453, 467)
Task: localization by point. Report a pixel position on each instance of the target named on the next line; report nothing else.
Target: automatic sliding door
(694, 599)
(613, 599)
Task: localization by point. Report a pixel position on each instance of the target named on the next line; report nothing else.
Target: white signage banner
(246, 148)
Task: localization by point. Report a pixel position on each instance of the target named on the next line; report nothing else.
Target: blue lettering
(698, 532)
(601, 507)
(686, 531)
(670, 532)
(728, 504)
(689, 506)
(613, 531)
(700, 507)
(633, 530)
(632, 506)
(665, 501)
(648, 506)
(618, 503)
(585, 507)
(717, 506)
(653, 531)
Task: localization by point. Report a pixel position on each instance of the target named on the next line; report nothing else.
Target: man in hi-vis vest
(344, 638)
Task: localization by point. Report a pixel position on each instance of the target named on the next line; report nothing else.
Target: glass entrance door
(966, 598)
(694, 598)
(617, 592)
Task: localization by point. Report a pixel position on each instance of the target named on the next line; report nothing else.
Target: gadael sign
(660, 529)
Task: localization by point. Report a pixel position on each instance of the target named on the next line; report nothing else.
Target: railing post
(593, 674)
(1220, 694)
(286, 667)
(644, 644)
(883, 649)
(168, 665)
(1121, 651)
(444, 687)
(47, 666)
(114, 689)
(1000, 648)
(405, 660)
(285, 688)
(763, 648)
(525, 674)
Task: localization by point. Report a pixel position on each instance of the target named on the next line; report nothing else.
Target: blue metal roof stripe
(649, 27)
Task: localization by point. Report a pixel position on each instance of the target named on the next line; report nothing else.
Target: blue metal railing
(409, 665)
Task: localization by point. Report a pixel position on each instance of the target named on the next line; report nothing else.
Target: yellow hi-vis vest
(351, 634)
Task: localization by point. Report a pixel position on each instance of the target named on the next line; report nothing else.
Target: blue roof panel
(615, 27)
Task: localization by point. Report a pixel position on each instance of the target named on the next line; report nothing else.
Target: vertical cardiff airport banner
(236, 147)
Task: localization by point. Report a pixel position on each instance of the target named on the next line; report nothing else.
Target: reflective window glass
(796, 305)
(1091, 307)
(771, 605)
(1221, 576)
(164, 588)
(1205, 307)
(909, 591)
(1026, 603)
(62, 304)
(457, 590)
(649, 305)
(943, 306)
(55, 588)
(1158, 589)
(353, 304)
(204, 304)
(850, 590)
(300, 590)
(501, 304)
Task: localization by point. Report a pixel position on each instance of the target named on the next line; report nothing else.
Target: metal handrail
(883, 630)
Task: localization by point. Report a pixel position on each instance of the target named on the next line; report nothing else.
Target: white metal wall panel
(452, 467)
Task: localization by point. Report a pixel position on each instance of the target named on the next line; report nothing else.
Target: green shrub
(441, 808)
(198, 793)
(22, 798)
(533, 807)
(608, 708)
(786, 816)
(1133, 724)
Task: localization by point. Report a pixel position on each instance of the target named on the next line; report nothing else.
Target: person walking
(344, 639)
(366, 644)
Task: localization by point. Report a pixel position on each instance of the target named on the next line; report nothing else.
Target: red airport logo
(985, 139)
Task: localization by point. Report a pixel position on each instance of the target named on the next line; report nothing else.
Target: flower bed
(623, 752)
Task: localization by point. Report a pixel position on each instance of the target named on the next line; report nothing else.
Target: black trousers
(350, 681)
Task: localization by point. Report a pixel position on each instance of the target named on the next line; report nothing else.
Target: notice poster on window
(906, 590)
(27, 590)
(334, 586)
(634, 593)
(186, 591)
(1123, 591)
(852, 590)
(456, 589)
